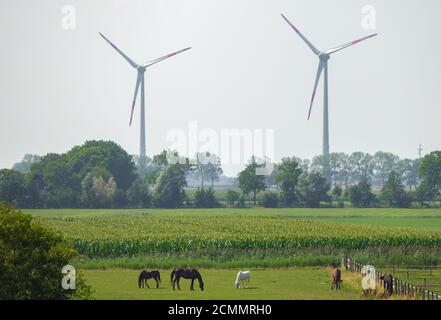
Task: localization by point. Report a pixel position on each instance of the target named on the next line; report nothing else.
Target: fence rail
(400, 287)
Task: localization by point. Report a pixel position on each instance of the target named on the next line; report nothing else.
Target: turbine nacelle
(323, 56)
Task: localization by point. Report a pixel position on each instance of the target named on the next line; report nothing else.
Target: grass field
(290, 284)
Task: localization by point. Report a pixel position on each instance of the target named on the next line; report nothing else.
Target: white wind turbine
(141, 68)
(323, 66)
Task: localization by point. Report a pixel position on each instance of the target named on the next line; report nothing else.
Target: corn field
(118, 236)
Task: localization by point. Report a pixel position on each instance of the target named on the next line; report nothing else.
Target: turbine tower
(323, 67)
(141, 68)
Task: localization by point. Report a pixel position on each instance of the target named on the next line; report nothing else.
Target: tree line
(100, 174)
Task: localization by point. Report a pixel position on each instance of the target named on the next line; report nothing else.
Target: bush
(270, 200)
(232, 197)
(205, 198)
(169, 191)
(312, 189)
(138, 195)
(31, 259)
(393, 193)
(361, 195)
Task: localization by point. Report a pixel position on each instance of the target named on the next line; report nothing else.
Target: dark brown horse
(336, 279)
(191, 274)
(388, 283)
(145, 275)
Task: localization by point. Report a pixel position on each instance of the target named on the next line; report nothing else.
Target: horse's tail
(172, 275)
(159, 276)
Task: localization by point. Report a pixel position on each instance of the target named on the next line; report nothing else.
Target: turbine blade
(130, 61)
(319, 73)
(152, 62)
(343, 46)
(309, 44)
(138, 82)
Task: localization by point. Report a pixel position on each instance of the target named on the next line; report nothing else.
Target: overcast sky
(247, 69)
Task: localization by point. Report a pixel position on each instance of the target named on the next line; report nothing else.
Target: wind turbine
(323, 66)
(141, 68)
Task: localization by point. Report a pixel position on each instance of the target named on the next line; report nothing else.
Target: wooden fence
(400, 287)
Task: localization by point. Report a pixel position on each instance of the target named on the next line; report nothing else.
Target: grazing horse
(145, 275)
(336, 278)
(191, 274)
(388, 283)
(243, 276)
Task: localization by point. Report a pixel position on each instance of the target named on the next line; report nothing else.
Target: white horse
(243, 276)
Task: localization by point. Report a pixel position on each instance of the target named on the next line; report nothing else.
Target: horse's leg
(177, 282)
(174, 281)
(191, 285)
(157, 283)
(147, 284)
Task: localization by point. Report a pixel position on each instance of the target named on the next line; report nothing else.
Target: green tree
(384, 163)
(312, 189)
(393, 192)
(98, 189)
(287, 177)
(425, 192)
(169, 191)
(139, 195)
(58, 179)
(232, 197)
(409, 171)
(25, 164)
(205, 198)
(250, 182)
(337, 192)
(31, 259)
(12, 187)
(430, 169)
(80, 160)
(361, 195)
(361, 166)
(270, 199)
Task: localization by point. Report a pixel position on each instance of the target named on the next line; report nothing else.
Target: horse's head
(237, 283)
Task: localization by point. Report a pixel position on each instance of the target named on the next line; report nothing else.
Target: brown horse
(388, 283)
(191, 274)
(336, 279)
(145, 275)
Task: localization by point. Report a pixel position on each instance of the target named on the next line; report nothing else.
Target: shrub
(232, 197)
(270, 200)
(31, 259)
(205, 198)
(361, 195)
(393, 193)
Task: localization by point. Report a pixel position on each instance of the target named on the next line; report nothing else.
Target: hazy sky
(247, 69)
